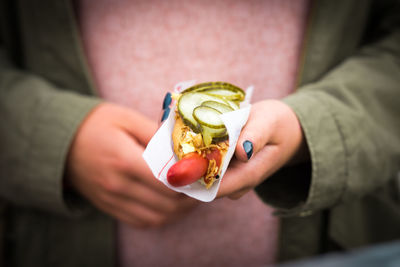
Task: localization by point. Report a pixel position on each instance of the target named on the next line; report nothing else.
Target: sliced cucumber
(210, 134)
(207, 86)
(212, 127)
(200, 107)
(226, 94)
(220, 89)
(233, 104)
(223, 108)
(209, 117)
(207, 138)
(199, 87)
(188, 102)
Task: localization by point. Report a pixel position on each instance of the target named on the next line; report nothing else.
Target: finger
(131, 213)
(134, 190)
(231, 182)
(136, 213)
(134, 166)
(137, 125)
(165, 114)
(124, 217)
(109, 204)
(167, 100)
(166, 106)
(245, 176)
(256, 133)
(146, 177)
(239, 194)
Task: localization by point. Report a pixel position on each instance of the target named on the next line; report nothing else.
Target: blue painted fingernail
(248, 148)
(167, 100)
(165, 114)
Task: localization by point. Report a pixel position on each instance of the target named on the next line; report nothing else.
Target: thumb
(256, 133)
(134, 123)
(140, 127)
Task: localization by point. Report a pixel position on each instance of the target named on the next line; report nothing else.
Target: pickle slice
(210, 134)
(223, 108)
(209, 117)
(207, 86)
(233, 104)
(188, 102)
(220, 89)
(226, 94)
(201, 105)
(212, 127)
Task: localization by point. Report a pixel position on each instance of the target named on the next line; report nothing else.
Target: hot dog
(200, 140)
(196, 161)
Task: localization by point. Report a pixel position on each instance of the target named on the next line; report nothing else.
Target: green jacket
(347, 102)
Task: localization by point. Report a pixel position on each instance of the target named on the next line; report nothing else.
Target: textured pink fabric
(139, 49)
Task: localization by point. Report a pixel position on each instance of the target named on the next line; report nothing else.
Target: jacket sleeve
(351, 122)
(37, 125)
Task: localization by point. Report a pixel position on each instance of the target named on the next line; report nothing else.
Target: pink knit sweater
(139, 49)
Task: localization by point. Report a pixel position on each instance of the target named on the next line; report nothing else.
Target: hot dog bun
(200, 131)
(186, 141)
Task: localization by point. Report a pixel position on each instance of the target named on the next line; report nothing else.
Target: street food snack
(200, 138)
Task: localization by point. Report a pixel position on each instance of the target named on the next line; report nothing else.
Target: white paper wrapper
(160, 156)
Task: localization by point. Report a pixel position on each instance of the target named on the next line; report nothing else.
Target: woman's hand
(271, 139)
(105, 165)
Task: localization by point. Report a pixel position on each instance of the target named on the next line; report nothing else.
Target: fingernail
(165, 114)
(167, 100)
(248, 148)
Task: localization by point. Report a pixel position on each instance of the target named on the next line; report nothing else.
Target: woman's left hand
(271, 139)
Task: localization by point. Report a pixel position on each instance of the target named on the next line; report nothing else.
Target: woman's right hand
(105, 165)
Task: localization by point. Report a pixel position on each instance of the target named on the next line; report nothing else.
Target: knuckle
(105, 199)
(158, 221)
(111, 184)
(147, 218)
(121, 159)
(172, 208)
(122, 162)
(169, 205)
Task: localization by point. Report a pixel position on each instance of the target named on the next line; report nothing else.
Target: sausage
(192, 167)
(189, 169)
(215, 154)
